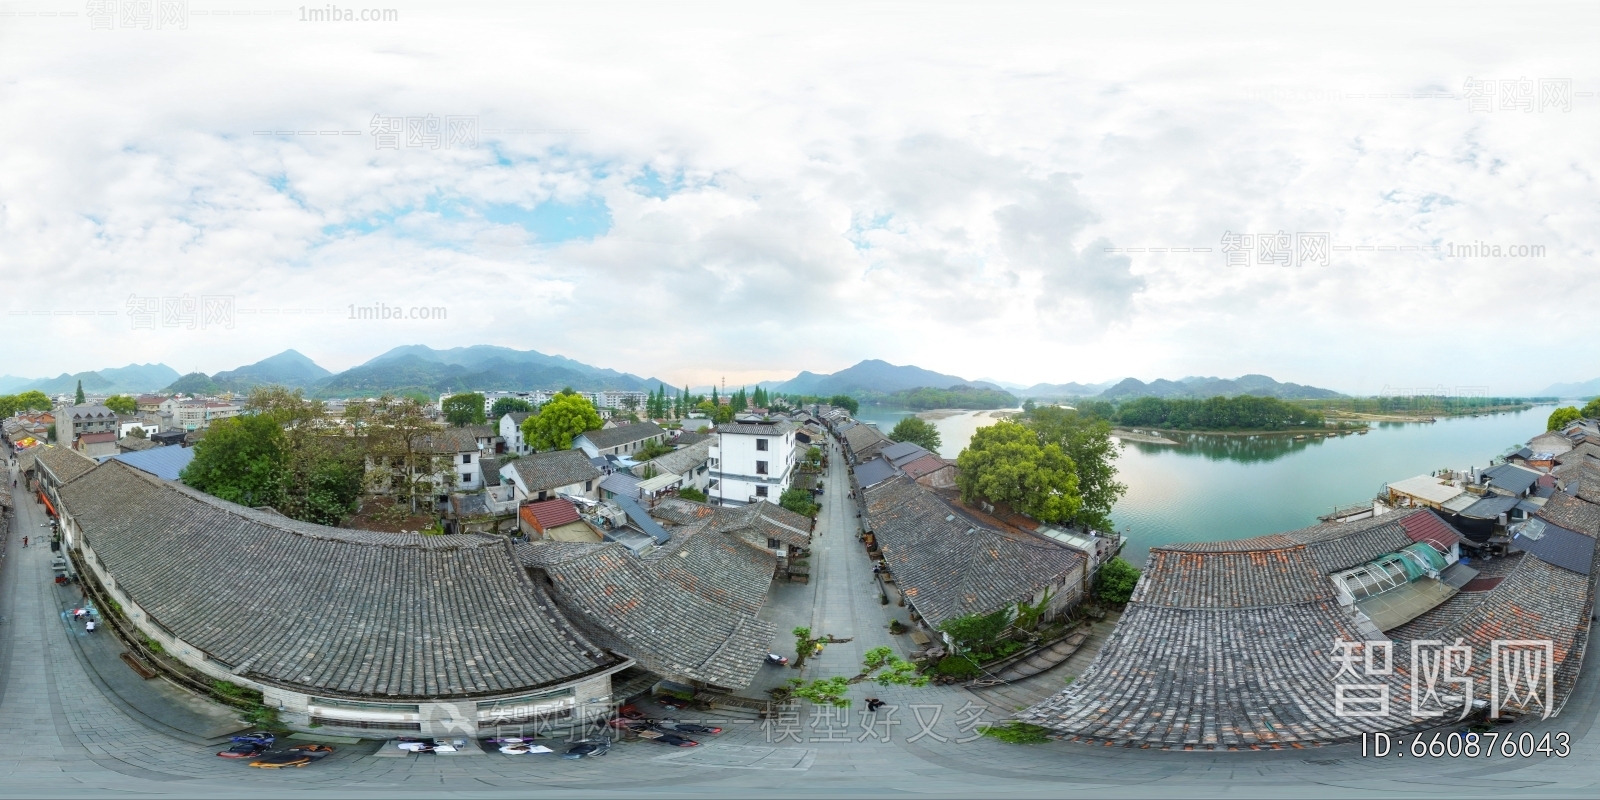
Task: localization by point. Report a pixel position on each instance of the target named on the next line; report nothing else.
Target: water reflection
(1249, 449)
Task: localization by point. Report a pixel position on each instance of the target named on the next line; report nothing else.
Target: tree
(722, 414)
(1561, 416)
(1087, 441)
(806, 646)
(845, 402)
(1028, 405)
(977, 631)
(122, 404)
(463, 409)
(799, 501)
(1006, 464)
(559, 422)
(397, 431)
(1592, 409)
(326, 469)
(1115, 581)
(880, 664)
(77, 398)
(509, 405)
(918, 431)
(33, 400)
(241, 460)
(137, 432)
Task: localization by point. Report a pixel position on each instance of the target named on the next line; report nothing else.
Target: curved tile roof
(328, 610)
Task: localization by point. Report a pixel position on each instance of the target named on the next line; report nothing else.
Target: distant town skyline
(1029, 193)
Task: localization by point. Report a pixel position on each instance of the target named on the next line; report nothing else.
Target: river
(1214, 487)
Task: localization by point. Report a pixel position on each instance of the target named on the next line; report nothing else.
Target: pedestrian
(88, 627)
(24, 541)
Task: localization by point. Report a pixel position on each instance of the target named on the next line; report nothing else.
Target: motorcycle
(773, 659)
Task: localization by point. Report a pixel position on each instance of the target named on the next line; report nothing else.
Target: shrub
(692, 494)
(1115, 581)
(957, 667)
(897, 627)
(1016, 733)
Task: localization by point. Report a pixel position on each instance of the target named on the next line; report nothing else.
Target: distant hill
(288, 368)
(193, 383)
(1192, 387)
(872, 376)
(9, 384)
(1043, 390)
(1585, 389)
(132, 379)
(479, 367)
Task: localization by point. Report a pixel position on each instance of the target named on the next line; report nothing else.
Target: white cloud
(938, 188)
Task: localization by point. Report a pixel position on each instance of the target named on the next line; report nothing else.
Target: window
(761, 491)
(761, 467)
(761, 444)
(466, 458)
(588, 486)
(466, 477)
(773, 543)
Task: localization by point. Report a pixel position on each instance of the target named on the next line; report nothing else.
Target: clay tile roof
(330, 611)
(551, 513)
(1425, 526)
(923, 466)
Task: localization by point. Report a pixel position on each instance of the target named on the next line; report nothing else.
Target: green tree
(509, 405)
(241, 460)
(33, 400)
(1087, 441)
(137, 433)
(397, 430)
(8, 405)
(799, 501)
(977, 631)
(879, 664)
(806, 645)
(1115, 580)
(1006, 464)
(559, 422)
(845, 402)
(722, 414)
(1561, 416)
(463, 409)
(326, 469)
(122, 404)
(77, 398)
(1592, 409)
(917, 431)
(1028, 405)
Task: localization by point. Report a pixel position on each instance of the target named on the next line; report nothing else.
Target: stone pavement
(60, 735)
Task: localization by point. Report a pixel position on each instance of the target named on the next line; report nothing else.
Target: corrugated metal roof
(163, 462)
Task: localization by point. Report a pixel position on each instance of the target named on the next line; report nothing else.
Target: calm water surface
(1212, 487)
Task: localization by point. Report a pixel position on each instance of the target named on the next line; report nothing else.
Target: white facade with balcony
(751, 461)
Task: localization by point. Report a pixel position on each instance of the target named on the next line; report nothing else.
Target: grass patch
(1016, 733)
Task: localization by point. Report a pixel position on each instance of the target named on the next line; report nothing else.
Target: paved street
(61, 734)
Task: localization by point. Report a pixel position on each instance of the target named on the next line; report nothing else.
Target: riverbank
(1336, 415)
(1135, 436)
(946, 413)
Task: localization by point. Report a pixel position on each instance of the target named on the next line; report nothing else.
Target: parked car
(685, 727)
(244, 750)
(293, 757)
(675, 740)
(588, 748)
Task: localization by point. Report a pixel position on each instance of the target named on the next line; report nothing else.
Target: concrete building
(751, 461)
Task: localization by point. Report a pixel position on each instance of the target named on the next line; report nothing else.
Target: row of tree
(11, 404)
(927, 397)
(1239, 413)
(1565, 415)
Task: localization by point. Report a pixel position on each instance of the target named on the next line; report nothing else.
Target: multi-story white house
(511, 432)
(751, 461)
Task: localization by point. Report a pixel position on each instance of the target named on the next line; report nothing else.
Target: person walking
(88, 627)
(24, 541)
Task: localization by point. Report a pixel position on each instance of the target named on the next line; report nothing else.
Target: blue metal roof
(1555, 545)
(1511, 477)
(874, 472)
(162, 462)
(636, 515)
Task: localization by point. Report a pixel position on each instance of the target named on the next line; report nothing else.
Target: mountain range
(1200, 388)
(1585, 389)
(871, 375)
(132, 379)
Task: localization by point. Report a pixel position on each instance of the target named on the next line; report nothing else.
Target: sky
(1025, 192)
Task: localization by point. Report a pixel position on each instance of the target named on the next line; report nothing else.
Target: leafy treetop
(560, 421)
(463, 409)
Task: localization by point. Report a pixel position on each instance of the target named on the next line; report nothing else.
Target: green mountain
(1201, 388)
(870, 376)
(288, 368)
(193, 383)
(132, 379)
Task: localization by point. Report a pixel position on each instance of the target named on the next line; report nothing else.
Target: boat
(1301, 436)
(1362, 432)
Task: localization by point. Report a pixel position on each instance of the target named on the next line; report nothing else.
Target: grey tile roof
(447, 441)
(1236, 579)
(863, 436)
(684, 459)
(689, 437)
(542, 472)
(947, 567)
(129, 444)
(491, 470)
(874, 472)
(1556, 545)
(899, 450)
(1511, 477)
(327, 610)
(777, 428)
(63, 462)
(1572, 513)
(1582, 451)
(1491, 506)
(761, 521)
(688, 613)
(607, 438)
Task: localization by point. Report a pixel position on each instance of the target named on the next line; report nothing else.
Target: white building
(511, 432)
(690, 464)
(194, 414)
(751, 461)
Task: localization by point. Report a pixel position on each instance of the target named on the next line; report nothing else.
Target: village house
(557, 520)
(541, 476)
(690, 465)
(751, 461)
(619, 441)
(511, 433)
(74, 421)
